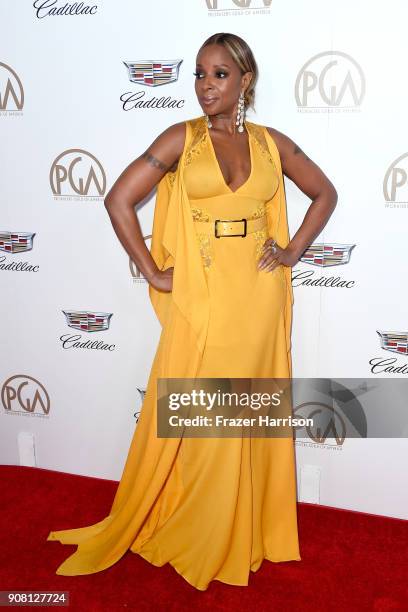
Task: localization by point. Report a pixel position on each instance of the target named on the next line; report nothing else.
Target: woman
(219, 274)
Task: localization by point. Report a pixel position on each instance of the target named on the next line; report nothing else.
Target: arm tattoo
(153, 161)
(297, 150)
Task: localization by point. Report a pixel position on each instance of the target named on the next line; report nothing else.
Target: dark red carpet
(350, 561)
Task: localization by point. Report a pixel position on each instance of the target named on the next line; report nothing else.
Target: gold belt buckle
(230, 221)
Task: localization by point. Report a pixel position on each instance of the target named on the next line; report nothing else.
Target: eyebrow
(216, 65)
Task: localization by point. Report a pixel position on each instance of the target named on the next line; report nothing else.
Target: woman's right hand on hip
(162, 280)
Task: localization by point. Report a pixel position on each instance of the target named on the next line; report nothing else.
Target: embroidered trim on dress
(198, 140)
(199, 214)
(259, 212)
(258, 133)
(204, 241)
(260, 237)
(171, 178)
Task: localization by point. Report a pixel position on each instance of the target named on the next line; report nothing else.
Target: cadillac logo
(16, 242)
(87, 321)
(325, 254)
(153, 73)
(397, 342)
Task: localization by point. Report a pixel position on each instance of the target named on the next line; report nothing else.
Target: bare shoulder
(286, 146)
(302, 170)
(175, 134)
(166, 149)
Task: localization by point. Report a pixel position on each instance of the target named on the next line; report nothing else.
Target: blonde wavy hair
(243, 57)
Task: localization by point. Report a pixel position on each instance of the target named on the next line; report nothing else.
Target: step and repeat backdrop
(82, 94)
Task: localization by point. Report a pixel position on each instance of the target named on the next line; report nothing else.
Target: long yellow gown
(213, 508)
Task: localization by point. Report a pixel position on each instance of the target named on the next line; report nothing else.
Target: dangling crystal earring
(240, 113)
(208, 121)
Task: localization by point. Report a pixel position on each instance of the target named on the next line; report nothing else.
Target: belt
(222, 228)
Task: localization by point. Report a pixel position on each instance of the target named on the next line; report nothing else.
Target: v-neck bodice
(217, 163)
(203, 176)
